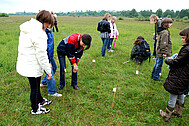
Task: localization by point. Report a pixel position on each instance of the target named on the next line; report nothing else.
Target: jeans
(157, 68)
(173, 98)
(35, 96)
(51, 84)
(62, 62)
(110, 43)
(105, 45)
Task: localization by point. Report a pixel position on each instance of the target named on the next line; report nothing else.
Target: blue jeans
(157, 68)
(173, 98)
(110, 43)
(51, 83)
(105, 45)
(62, 62)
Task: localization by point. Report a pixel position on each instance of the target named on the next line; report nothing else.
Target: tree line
(129, 13)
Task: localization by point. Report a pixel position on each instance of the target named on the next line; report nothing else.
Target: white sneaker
(40, 110)
(45, 102)
(110, 50)
(55, 95)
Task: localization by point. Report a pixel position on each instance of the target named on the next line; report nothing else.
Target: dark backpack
(144, 50)
(103, 26)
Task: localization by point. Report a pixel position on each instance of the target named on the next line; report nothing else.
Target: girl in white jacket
(32, 57)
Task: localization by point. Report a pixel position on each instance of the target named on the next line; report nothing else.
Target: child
(177, 81)
(32, 57)
(50, 51)
(163, 47)
(140, 50)
(157, 21)
(104, 28)
(114, 33)
(135, 50)
(73, 47)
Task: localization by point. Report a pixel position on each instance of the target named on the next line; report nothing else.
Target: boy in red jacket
(73, 47)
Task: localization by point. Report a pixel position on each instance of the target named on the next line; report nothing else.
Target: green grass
(137, 100)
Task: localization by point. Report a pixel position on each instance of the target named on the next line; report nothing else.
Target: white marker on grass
(137, 72)
(114, 89)
(93, 61)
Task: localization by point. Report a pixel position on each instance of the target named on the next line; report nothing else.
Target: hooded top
(32, 50)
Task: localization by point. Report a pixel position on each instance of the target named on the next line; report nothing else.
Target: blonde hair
(114, 18)
(107, 16)
(153, 19)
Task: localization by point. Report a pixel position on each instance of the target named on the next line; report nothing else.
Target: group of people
(36, 54)
(108, 32)
(177, 82)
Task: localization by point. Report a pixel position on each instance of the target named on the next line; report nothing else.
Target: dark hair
(166, 21)
(86, 39)
(140, 37)
(185, 32)
(45, 17)
(136, 42)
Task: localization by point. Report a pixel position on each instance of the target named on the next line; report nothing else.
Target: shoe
(45, 102)
(61, 87)
(178, 111)
(55, 95)
(166, 115)
(42, 85)
(76, 87)
(110, 50)
(40, 110)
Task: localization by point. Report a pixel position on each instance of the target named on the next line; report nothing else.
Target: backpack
(103, 26)
(144, 50)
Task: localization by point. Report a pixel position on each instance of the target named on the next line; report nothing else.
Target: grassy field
(137, 100)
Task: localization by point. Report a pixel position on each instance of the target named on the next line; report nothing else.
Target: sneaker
(110, 50)
(45, 102)
(55, 95)
(40, 110)
(42, 85)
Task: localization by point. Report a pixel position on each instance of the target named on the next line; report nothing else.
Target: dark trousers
(35, 96)
(62, 62)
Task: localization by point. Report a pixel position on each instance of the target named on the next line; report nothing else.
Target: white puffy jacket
(32, 50)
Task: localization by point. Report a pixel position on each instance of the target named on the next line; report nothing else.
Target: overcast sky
(11, 6)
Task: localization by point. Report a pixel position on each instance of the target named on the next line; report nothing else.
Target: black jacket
(104, 26)
(177, 81)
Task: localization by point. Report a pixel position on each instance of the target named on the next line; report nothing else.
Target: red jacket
(70, 46)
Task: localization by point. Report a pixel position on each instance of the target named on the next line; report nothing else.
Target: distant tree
(4, 15)
(145, 13)
(133, 13)
(169, 12)
(184, 12)
(159, 13)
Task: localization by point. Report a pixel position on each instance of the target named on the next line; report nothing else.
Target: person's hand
(49, 76)
(164, 55)
(75, 68)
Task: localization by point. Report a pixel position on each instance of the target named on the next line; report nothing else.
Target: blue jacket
(50, 44)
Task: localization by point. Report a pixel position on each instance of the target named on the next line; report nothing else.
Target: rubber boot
(166, 115)
(178, 111)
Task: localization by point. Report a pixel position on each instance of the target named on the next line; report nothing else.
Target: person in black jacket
(177, 81)
(104, 28)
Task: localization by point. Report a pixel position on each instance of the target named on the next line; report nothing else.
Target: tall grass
(137, 100)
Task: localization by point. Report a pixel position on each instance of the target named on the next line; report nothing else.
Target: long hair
(107, 16)
(185, 32)
(45, 17)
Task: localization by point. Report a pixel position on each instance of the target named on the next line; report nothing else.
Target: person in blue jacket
(73, 47)
(52, 91)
